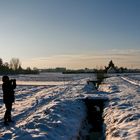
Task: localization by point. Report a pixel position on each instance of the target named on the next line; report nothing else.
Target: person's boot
(9, 119)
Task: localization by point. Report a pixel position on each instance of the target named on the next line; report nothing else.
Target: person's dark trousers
(7, 116)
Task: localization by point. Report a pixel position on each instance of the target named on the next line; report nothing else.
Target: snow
(56, 111)
(45, 112)
(122, 114)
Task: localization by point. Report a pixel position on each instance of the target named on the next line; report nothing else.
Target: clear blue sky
(70, 33)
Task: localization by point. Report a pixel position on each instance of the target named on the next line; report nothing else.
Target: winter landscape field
(50, 107)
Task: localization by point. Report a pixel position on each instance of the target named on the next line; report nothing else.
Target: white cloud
(126, 58)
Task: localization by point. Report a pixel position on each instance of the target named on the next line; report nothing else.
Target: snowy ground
(122, 114)
(56, 112)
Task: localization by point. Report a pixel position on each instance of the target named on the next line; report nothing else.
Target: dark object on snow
(94, 111)
(94, 83)
(8, 87)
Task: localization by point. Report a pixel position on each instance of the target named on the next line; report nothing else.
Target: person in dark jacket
(8, 87)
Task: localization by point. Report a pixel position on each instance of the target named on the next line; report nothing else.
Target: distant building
(111, 70)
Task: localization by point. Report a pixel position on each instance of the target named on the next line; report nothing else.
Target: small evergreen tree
(111, 64)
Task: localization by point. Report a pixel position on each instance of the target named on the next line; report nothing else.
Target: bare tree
(6, 64)
(15, 63)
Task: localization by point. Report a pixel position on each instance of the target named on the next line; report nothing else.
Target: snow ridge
(122, 114)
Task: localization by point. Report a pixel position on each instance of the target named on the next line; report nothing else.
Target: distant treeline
(111, 68)
(58, 69)
(14, 67)
(64, 70)
(70, 71)
(121, 70)
(80, 71)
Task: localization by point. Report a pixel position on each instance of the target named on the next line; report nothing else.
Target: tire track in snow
(134, 82)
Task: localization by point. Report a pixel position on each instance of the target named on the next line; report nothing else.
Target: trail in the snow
(132, 81)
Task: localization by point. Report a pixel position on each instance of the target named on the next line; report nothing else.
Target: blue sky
(70, 33)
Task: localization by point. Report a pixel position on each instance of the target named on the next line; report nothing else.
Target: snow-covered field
(122, 114)
(56, 111)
